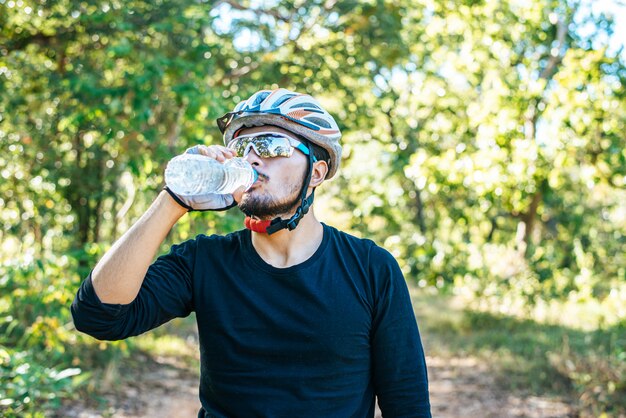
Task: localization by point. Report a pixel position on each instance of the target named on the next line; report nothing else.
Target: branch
(39, 38)
(555, 59)
(529, 217)
(132, 191)
(328, 5)
(258, 12)
(238, 73)
(175, 127)
(532, 114)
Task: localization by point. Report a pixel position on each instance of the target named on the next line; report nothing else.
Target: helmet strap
(278, 223)
(256, 225)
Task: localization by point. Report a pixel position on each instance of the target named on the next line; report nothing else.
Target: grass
(587, 367)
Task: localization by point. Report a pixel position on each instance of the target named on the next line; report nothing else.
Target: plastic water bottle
(195, 174)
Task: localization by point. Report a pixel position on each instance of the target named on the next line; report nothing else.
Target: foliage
(42, 359)
(29, 385)
(533, 357)
(483, 141)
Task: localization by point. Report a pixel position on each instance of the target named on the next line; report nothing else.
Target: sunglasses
(267, 145)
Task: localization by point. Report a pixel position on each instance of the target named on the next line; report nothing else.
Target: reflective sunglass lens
(266, 146)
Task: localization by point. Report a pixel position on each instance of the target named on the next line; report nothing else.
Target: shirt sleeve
(399, 366)
(165, 293)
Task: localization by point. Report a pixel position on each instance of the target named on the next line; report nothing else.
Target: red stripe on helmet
(298, 114)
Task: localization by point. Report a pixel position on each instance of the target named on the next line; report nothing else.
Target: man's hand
(212, 201)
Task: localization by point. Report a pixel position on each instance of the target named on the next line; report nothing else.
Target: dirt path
(165, 392)
(465, 387)
(459, 387)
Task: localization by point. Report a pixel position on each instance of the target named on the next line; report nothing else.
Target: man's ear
(320, 169)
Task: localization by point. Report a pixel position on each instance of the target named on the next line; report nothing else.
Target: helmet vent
(308, 104)
(259, 98)
(319, 122)
(284, 99)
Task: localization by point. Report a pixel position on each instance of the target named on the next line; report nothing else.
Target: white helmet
(298, 113)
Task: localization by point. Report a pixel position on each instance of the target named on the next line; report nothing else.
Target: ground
(459, 387)
(165, 383)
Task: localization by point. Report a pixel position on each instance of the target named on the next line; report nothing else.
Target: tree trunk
(419, 215)
(77, 195)
(529, 219)
(99, 197)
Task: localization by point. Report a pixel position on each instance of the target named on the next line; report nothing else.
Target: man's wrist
(167, 203)
(177, 199)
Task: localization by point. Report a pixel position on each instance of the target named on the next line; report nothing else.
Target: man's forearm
(118, 275)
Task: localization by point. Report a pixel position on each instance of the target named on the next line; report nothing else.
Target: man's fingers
(237, 194)
(217, 152)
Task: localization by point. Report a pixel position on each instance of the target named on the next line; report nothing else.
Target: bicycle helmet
(298, 113)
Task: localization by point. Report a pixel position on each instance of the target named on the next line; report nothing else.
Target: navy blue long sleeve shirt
(319, 339)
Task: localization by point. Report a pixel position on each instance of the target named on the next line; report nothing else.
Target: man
(295, 318)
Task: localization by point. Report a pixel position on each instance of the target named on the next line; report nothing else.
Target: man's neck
(287, 248)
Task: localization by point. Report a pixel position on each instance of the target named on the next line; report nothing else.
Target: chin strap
(279, 223)
(269, 227)
(256, 225)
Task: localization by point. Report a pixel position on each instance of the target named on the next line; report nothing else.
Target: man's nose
(253, 158)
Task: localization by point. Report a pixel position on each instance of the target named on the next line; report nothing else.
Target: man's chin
(263, 209)
(250, 206)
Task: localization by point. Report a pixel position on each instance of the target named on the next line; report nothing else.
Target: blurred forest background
(484, 146)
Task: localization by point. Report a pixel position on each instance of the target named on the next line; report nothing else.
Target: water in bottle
(195, 174)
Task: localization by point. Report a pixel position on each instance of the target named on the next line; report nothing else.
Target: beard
(266, 207)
